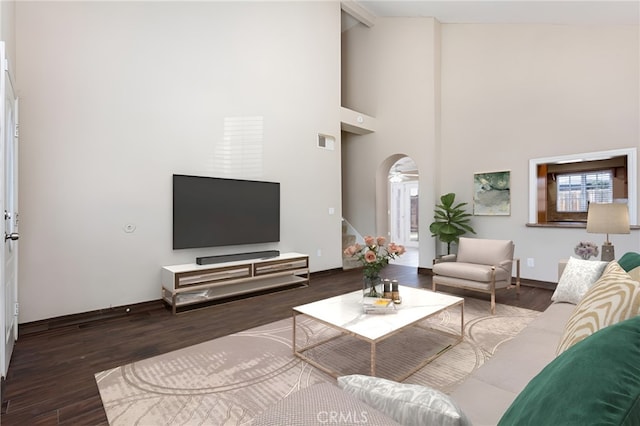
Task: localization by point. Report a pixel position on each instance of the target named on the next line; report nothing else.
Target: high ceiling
(625, 12)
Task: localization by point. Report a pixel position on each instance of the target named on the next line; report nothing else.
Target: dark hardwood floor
(51, 375)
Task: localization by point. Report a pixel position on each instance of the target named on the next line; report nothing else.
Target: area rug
(229, 380)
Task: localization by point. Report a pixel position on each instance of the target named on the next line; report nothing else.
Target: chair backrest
(483, 251)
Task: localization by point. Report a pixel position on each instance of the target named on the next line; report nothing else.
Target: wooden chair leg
(493, 302)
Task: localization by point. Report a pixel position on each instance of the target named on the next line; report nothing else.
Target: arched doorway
(403, 208)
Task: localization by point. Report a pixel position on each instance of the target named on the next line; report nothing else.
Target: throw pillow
(613, 298)
(320, 404)
(595, 382)
(630, 262)
(576, 279)
(406, 403)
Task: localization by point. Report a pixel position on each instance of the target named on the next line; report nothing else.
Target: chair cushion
(469, 271)
(484, 251)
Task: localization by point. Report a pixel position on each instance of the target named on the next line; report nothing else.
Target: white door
(9, 194)
(403, 213)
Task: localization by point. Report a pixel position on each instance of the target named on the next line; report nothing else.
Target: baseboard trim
(80, 319)
(83, 318)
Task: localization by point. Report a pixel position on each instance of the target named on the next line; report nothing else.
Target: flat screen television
(211, 212)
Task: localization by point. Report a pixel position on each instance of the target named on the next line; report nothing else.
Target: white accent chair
(480, 265)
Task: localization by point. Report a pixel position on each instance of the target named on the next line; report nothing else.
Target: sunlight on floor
(410, 258)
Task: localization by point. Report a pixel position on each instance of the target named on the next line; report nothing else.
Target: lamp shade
(612, 218)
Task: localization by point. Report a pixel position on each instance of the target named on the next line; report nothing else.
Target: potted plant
(451, 221)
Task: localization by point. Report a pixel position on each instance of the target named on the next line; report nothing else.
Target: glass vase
(371, 286)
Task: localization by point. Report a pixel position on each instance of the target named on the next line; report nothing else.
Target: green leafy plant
(451, 221)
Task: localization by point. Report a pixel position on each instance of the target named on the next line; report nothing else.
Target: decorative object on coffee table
(386, 283)
(377, 305)
(395, 292)
(374, 256)
(371, 286)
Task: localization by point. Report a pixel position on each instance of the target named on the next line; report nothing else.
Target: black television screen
(211, 212)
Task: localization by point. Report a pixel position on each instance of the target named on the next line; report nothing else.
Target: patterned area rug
(227, 381)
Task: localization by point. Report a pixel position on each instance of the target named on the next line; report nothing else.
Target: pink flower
(352, 250)
(374, 255)
(370, 256)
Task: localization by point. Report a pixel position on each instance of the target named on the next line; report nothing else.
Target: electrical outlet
(319, 252)
(530, 262)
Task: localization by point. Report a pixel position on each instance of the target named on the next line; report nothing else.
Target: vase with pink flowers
(374, 256)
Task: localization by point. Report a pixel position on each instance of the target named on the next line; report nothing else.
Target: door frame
(8, 190)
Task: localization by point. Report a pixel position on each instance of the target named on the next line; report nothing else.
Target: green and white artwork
(491, 194)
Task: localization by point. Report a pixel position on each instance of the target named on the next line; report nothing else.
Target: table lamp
(612, 218)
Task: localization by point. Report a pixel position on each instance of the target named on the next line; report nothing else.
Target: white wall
(391, 71)
(118, 96)
(507, 94)
(511, 93)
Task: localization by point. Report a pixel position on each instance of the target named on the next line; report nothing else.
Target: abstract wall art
(491, 194)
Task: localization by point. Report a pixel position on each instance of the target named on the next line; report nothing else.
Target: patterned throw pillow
(635, 273)
(407, 404)
(613, 298)
(576, 279)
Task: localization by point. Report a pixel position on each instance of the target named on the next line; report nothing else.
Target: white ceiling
(625, 12)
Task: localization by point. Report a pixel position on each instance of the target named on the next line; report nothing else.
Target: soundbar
(208, 260)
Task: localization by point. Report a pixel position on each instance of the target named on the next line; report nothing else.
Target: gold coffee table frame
(345, 314)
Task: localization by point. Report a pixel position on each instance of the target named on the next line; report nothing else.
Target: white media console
(190, 284)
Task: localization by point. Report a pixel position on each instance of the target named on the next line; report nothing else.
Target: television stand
(191, 284)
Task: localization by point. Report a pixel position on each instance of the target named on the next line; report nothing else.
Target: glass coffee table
(345, 313)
